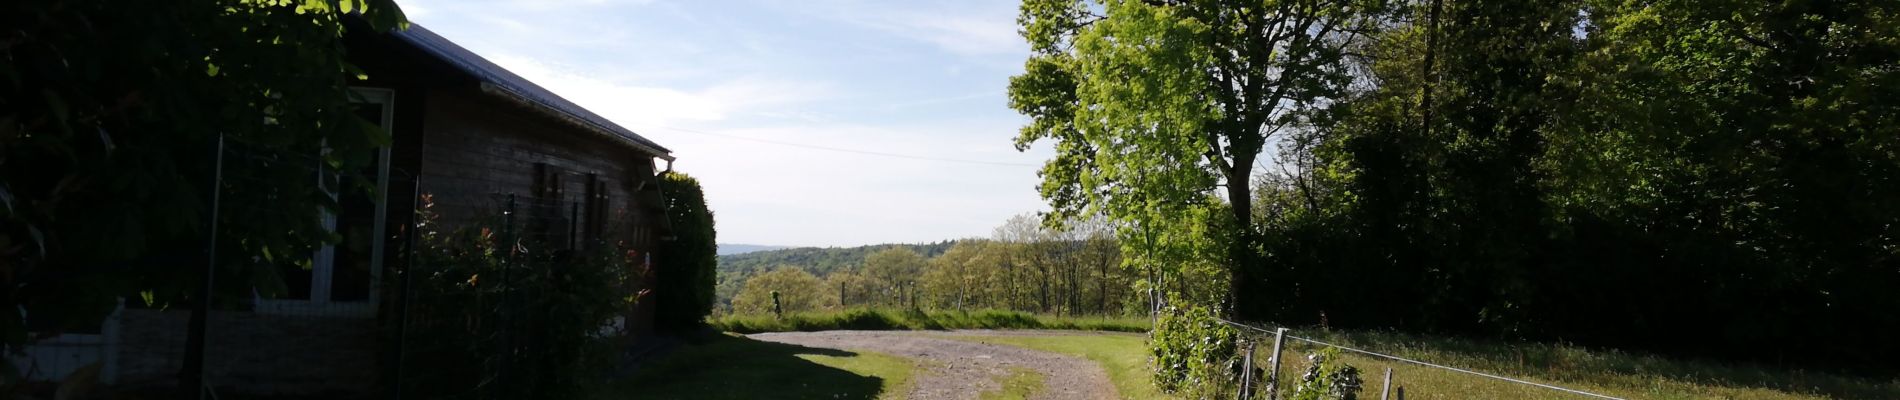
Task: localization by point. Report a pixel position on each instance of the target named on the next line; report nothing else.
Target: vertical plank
(1387, 387)
(1273, 374)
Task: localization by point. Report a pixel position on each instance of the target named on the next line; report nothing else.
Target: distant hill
(817, 260)
(726, 249)
(735, 268)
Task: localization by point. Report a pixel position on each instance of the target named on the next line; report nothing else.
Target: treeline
(1716, 179)
(735, 269)
(1074, 270)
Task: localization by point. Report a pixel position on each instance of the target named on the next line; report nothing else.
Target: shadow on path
(728, 367)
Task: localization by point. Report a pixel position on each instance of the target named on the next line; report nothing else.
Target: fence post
(1387, 388)
(1273, 373)
(191, 382)
(1246, 373)
(1401, 393)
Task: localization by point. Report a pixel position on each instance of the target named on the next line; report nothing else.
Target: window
(341, 277)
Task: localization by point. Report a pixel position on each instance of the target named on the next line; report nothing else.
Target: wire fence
(1279, 336)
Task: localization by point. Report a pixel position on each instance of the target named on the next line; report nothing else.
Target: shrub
(1326, 379)
(493, 316)
(1194, 353)
(687, 263)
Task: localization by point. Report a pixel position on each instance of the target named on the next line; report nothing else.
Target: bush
(492, 316)
(1194, 353)
(687, 263)
(1326, 379)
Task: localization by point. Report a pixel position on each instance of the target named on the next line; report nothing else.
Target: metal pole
(191, 374)
(1273, 373)
(408, 271)
(1387, 389)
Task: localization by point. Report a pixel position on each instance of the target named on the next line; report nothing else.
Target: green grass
(1123, 356)
(1606, 372)
(879, 319)
(1019, 384)
(734, 367)
(1610, 373)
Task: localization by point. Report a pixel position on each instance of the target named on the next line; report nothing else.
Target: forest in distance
(1024, 266)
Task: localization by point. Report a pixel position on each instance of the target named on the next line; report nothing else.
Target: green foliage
(1327, 378)
(895, 273)
(689, 262)
(792, 289)
(1158, 108)
(1028, 266)
(885, 319)
(822, 261)
(1194, 354)
(1499, 171)
(1604, 371)
(110, 118)
(486, 302)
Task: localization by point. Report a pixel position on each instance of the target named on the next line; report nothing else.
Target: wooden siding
(477, 151)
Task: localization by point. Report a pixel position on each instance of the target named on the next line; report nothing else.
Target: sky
(788, 112)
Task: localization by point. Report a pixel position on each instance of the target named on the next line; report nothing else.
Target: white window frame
(323, 262)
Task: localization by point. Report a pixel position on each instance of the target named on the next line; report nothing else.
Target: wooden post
(1273, 373)
(1246, 373)
(1387, 389)
(1401, 393)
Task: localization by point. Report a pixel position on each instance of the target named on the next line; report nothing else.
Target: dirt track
(953, 369)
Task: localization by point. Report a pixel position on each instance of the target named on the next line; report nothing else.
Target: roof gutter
(511, 96)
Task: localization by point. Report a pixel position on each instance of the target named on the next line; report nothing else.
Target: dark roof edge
(499, 81)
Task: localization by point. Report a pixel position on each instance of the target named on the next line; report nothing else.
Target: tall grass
(1605, 371)
(884, 319)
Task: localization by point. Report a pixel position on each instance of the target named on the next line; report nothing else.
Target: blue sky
(716, 80)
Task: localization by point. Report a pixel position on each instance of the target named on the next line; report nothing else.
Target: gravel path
(960, 370)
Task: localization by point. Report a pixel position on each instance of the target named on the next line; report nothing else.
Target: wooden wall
(477, 151)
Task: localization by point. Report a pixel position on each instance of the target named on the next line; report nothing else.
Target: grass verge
(1018, 385)
(881, 319)
(1124, 357)
(734, 367)
(1607, 372)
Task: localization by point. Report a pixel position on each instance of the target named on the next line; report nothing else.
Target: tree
(966, 277)
(798, 291)
(689, 263)
(1168, 102)
(113, 120)
(895, 271)
(853, 289)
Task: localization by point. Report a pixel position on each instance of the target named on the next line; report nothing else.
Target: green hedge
(684, 293)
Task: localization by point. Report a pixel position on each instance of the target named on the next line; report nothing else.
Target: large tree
(1158, 104)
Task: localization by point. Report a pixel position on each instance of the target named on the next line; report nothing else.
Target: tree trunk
(1242, 259)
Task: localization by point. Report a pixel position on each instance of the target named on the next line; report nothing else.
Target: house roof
(497, 80)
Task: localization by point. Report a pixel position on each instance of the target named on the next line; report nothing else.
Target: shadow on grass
(1541, 361)
(732, 367)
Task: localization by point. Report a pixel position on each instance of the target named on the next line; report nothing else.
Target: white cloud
(790, 75)
(955, 27)
(643, 105)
